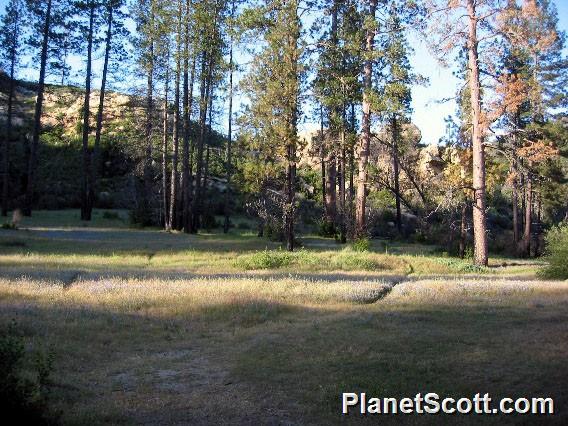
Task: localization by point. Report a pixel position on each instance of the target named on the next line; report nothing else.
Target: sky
(429, 111)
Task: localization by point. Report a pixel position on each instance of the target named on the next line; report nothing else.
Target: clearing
(154, 328)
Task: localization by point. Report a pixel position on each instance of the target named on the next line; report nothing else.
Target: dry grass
(163, 333)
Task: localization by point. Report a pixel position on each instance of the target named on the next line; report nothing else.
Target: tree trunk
(292, 122)
(396, 177)
(165, 136)
(175, 154)
(537, 231)
(463, 230)
(206, 69)
(322, 157)
(32, 165)
(290, 197)
(334, 128)
(187, 104)
(351, 152)
(228, 159)
(85, 210)
(342, 186)
(331, 187)
(8, 136)
(360, 224)
(147, 191)
(515, 205)
(479, 207)
(96, 149)
(526, 247)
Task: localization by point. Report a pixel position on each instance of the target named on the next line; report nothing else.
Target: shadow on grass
(266, 362)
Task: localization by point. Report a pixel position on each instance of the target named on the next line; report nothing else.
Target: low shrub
(346, 260)
(326, 229)
(557, 252)
(23, 379)
(361, 245)
(267, 259)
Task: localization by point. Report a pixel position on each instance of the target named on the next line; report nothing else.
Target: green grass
(158, 328)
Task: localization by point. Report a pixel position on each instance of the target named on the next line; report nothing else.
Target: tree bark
(322, 158)
(463, 230)
(292, 122)
(361, 229)
(334, 124)
(8, 136)
(229, 159)
(187, 104)
(147, 191)
(175, 154)
(331, 186)
(515, 206)
(342, 187)
(85, 211)
(396, 177)
(165, 136)
(526, 245)
(206, 70)
(32, 165)
(99, 126)
(479, 206)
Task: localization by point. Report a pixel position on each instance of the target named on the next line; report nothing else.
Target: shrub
(346, 260)
(361, 245)
(557, 252)
(9, 226)
(22, 392)
(267, 259)
(326, 229)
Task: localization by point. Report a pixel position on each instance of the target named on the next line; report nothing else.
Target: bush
(22, 379)
(557, 252)
(345, 260)
(9, 226)
(326, 229)
(267, 259)
(361, 245)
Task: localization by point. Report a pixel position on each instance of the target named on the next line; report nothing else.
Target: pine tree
(396, 93)
(229, 152)
(450, 27)
(528, 87)
(273, 84)
(115, 31)
(41, 15)
(210, 20)
(11, 28)
(90, 8)
(174, 209)
(371, 29)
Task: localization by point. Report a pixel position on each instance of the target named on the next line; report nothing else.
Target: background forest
(198, 116)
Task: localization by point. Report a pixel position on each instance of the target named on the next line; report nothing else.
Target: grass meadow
(147, 327)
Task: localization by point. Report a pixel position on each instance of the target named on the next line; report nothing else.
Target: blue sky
(429, 112)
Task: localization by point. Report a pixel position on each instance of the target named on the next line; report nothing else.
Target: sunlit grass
(146, 326)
